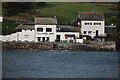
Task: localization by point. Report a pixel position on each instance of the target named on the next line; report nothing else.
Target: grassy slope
(8, 28)
(66, 12)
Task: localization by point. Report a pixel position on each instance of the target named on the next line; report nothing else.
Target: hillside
(66, 12)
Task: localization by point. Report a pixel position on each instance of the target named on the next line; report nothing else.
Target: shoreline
(87, 46)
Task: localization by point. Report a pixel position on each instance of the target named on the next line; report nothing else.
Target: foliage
(113, 36)
(66, 12)
(8, 28)
(114, 20)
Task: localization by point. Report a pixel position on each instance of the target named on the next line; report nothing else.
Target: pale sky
(60, 0)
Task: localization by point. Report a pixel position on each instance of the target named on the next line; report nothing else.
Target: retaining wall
(93, 45)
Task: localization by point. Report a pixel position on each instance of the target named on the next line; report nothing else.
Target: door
(47, 39)
(58, 38)
(43, 39)
(96, 33)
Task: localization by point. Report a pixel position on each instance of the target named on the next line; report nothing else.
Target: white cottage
(92, 24)
(44, 29)
(27, 33)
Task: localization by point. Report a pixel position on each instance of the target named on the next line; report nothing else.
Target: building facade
(44, 30)
(91, 24)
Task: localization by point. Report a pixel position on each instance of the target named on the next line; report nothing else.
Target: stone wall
(90, 45)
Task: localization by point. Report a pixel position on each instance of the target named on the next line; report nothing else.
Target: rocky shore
(88, 46)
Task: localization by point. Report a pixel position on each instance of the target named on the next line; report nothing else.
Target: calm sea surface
(60, 64)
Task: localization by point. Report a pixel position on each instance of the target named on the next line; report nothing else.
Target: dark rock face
(92, 45)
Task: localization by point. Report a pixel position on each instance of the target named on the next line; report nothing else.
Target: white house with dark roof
(44, 29)
(27, 34)
(91, 24)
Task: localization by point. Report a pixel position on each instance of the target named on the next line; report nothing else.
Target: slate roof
(45, 21)
(27, 27)
(97, 16)
(62, 28)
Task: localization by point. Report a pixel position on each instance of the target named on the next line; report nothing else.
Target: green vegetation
(66, 12)
(8, 28)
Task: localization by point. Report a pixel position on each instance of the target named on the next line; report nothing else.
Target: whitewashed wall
(1, 19)
(93, 27)
(19, 36)
(62, 34)
(51, 35)
(12, 37)
(27, 35)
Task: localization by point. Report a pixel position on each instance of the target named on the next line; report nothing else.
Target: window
(40, 29)
(31, 29)
(88, 23)
(89, 32)
(48, 29)
(85, 32)
(97, 23)
(25, 29)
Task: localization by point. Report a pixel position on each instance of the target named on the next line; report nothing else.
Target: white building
(45, 29)
(1, 19)
(92, 24)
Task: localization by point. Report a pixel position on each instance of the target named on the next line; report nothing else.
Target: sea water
(59, 64)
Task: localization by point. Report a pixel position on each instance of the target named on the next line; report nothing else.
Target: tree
(114, 20)
(17, 7)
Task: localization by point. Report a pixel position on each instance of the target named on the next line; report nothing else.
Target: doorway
(58, 38)
(97, 33)
(39, 38)
(43, 39)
